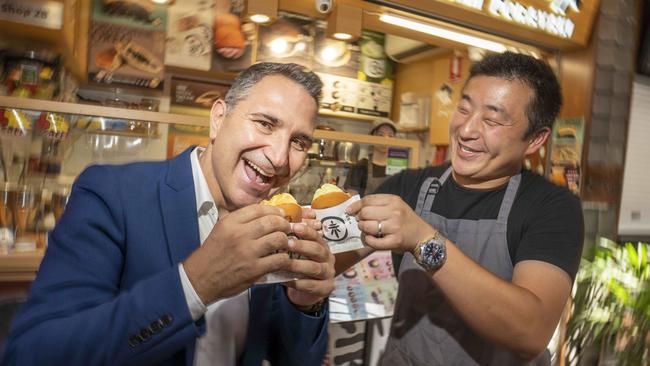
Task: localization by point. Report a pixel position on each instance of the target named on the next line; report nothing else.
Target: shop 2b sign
(46, 14)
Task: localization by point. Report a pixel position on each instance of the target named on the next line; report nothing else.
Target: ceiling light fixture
(344, 23)
(342, 36)
(261, 11)
(442, 32)
(259, 18)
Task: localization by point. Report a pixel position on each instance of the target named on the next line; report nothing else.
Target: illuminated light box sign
(567, 19)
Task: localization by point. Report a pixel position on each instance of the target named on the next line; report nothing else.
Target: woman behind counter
(364, 177)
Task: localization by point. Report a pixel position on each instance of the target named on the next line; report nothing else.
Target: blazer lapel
(178, 203)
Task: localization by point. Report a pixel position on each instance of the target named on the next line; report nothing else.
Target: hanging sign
(46, 14)
(398, 159)
(558, 23)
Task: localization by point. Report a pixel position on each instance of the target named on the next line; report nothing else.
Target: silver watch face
(432, 254)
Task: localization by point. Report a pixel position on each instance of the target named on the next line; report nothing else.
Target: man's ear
(217, 115)
(537, 140)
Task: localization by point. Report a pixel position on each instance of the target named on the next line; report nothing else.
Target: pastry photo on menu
(232, 37)
(125, 55)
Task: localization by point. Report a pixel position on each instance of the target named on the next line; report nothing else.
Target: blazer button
(166, 320)
(134, 341)
(145, 334)
(156, 326)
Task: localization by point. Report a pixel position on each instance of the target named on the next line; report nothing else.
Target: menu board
(126, 43)
(233, 39)
(344, 96)
(189, 34)
(366, 291)
(334, 57)
(196, 94)
(357, 78)
(288, 39)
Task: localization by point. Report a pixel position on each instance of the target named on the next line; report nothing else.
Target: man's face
(383, 131)
(262, 142)
(487, 132)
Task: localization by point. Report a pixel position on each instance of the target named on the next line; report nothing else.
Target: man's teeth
(465, 148)
(258, 169)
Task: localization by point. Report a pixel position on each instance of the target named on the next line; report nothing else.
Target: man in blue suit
(156, 262)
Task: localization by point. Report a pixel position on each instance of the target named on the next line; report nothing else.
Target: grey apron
(425, 329)
(372, 182)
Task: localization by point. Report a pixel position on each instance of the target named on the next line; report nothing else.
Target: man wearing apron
(491, 250)
(368, 174)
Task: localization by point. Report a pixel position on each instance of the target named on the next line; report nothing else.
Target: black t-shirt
(545, 222)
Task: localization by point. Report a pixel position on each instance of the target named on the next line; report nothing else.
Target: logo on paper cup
(334, 228)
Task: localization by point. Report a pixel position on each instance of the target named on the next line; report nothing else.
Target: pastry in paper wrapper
(340, 230)
(293, 213)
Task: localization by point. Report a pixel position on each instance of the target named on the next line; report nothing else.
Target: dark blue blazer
(108, 291)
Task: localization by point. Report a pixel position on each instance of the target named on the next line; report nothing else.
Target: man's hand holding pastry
(312, 262)
(388, 223)
(315, 268)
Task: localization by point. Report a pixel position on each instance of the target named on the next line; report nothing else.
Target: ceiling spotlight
(342, 36)
(345, 22)
(259, 18)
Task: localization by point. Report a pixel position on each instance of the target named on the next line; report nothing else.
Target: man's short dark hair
(254, 74)
(544, 106)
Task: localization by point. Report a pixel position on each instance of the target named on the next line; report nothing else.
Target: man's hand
(401, 227)
(316, 270)
(240, 249)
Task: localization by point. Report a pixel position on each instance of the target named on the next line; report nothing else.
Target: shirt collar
(204, 200)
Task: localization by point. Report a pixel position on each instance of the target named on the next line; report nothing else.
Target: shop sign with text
(559, 18)
(46, 14)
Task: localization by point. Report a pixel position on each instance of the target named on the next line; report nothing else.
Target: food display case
(44, 145)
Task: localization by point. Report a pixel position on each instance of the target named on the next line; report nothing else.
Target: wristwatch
(431, 253)
(315, 309)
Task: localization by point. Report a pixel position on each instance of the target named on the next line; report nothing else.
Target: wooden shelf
(328, 163)
(345, 115)
(20, 267)
(413, 145)
(200, 74)
(413, 130)
(131, 114)
(92, 110)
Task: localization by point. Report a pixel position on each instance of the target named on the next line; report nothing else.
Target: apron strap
(509, 198)
(428, 191)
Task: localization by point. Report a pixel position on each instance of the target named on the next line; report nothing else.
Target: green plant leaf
(633, 258)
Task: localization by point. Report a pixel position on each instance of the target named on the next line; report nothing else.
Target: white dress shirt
(226, 320)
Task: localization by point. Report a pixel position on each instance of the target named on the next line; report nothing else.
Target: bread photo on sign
(108, 59)
(227, 31)
(208, 98)
(288, 204)
(328, 195)
(139, 57)
(567, 132)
